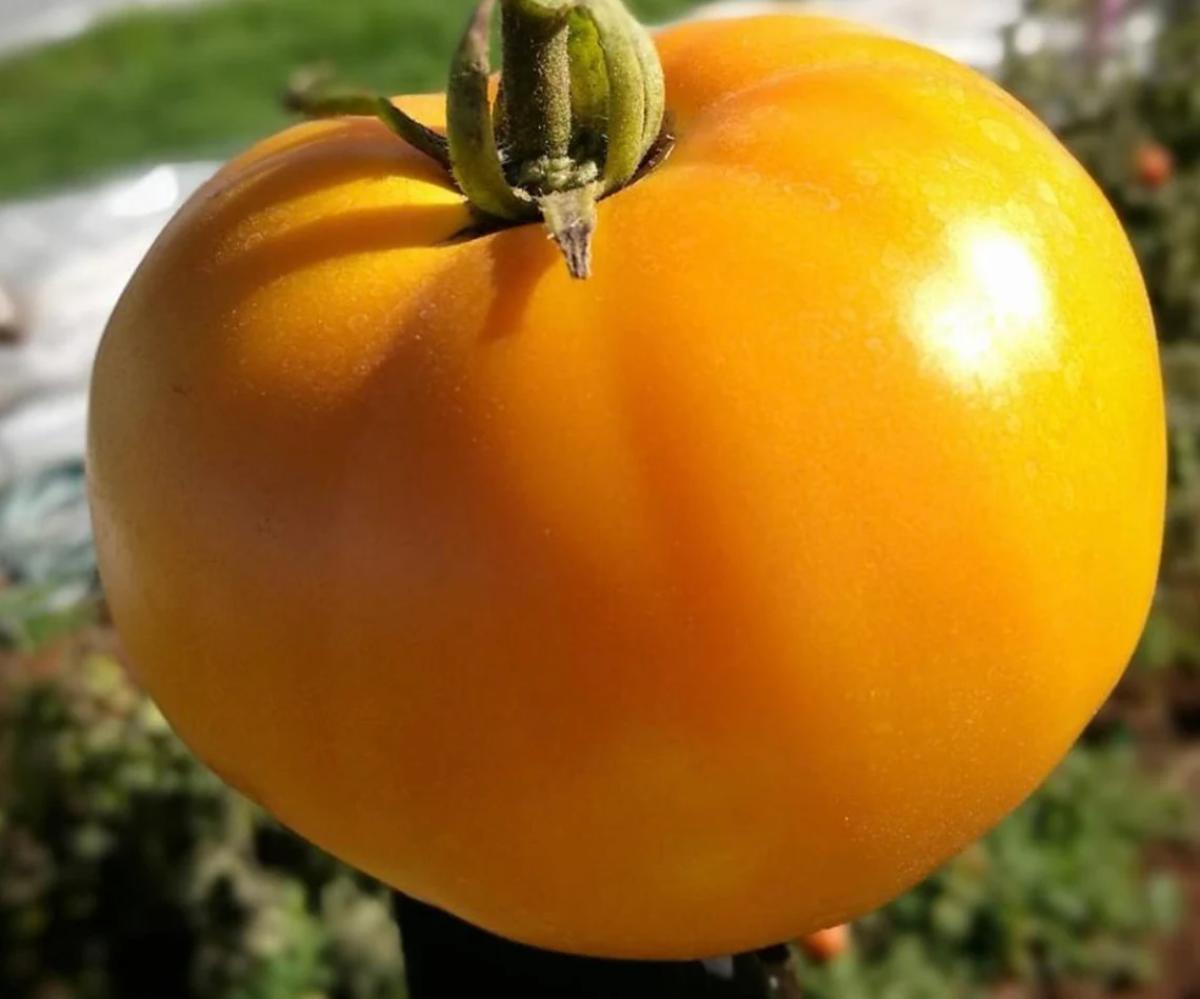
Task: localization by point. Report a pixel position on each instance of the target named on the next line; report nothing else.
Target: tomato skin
(681, 611)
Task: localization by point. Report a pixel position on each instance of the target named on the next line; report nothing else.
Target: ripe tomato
(826, 944)
(1153, 165)
(689, 608)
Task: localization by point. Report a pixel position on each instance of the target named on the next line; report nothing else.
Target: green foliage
(128, 869)
(35, 614)
(203, 79)
(1110, 113)
(1106, 111)
(1057, 892)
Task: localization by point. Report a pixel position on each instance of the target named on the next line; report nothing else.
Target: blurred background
(127, 870)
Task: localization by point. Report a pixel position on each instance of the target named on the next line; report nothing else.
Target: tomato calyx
(579, 114)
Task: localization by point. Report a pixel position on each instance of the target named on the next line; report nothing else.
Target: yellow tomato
(707, 602)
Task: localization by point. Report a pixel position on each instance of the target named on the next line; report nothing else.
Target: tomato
(1153, 165)
(824, 945)
(688, 608)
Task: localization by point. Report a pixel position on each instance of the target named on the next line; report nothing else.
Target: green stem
(626, 93)
(654, 86)
(571, 218)
(580, 115)
(307, 98)
(474, 155)
(537, 80)
(589, 86)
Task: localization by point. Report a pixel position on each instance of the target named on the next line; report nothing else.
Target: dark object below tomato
(446, 958)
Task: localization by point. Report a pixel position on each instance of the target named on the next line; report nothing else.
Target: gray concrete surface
(32, 22)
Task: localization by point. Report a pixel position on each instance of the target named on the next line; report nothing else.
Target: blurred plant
(1134, 122)
(1057, 892)
(128, 869)
(47, 563)
(171, 81)
(33, 615)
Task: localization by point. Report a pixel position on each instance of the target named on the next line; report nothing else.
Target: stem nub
(580, 107)
(570, 216)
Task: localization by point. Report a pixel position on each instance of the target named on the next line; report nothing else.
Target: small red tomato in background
(1153, 164)
(826, 944)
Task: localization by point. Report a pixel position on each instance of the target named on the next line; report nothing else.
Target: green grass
(203, 81)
